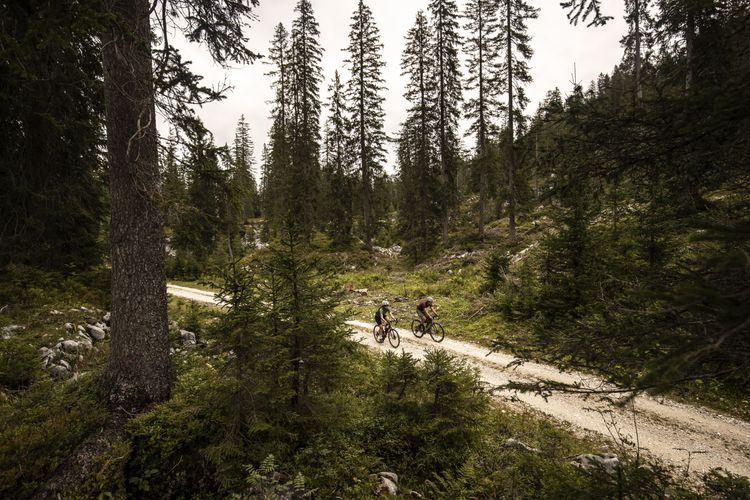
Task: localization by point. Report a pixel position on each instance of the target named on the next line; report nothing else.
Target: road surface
(665, 429)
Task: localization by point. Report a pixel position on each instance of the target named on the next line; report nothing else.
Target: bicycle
(436, 330)
(388, 331)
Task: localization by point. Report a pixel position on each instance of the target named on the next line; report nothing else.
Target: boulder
(587, 461)
(188, 338)
(387, 484)
(69, 327)
(107, 318)
(69, 346)
(95, 332)
(59, 371)
(81, 329)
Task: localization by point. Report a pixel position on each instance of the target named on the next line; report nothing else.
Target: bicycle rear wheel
(394, 338)
(417, 329)
(437, 332)
(376, 334)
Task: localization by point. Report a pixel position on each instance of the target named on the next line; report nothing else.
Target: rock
(10, 330)
(69, 327)
(387, 484)
(107, 318)
(69, 346)
(86, 309)
(64, 363)
(55, 312)
(361, 291)
(188, 338)
(85, 345)
(518, 445)
(415, 494)
(59, 371)
(95, 332)
(587, 461)
(81, 329)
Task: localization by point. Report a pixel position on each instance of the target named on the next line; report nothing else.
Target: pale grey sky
(557, 46)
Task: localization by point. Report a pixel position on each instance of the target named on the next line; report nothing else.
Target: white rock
(387, 484)
(69, 346)
(188, 338)
(107, 318)
(515, 443)
(10, 330)
(69, 327)
(95, 332)
(587, 461)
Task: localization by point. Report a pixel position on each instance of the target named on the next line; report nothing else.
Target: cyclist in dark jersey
(425, 311)
(382, 314)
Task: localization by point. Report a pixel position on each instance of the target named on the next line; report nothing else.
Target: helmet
(429, 300)
(386, 303)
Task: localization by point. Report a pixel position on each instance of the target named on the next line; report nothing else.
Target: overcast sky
(557, 46)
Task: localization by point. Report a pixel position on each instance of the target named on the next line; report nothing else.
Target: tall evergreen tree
(244, 187)
(173, 185)
(448, 75)
(515, 40)
(52, 170)
(277, 168)
(485, 82)
(338, 187)
(364, 93)
(305, 126)
(137, 371)
(417, 155)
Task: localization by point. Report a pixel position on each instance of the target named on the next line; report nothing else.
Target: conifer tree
(338, 187)
(244, 187)
(515, 41)
(305, 127)
(483, 78)
(417, 154)
(364, 91)
(173, 185)
(448, 80)
(277, 167)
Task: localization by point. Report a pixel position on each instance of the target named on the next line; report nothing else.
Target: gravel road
(665, 429)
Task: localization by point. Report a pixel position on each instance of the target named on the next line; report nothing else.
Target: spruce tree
(364, 91)
(515, 41)
(417, 154)
(244, 187)
(338, 187)
(485, 82)
(305, 127)
(448, 79)
(277, 168)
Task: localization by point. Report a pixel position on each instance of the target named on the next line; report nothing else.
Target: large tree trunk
(137, 372)
(689, 47)
(639, 86)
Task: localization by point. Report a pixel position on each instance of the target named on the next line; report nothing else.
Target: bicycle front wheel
(417, 328)
(437, 332)
(393, 338)
(376, 334)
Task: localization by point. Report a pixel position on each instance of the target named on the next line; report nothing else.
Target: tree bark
(137, 371)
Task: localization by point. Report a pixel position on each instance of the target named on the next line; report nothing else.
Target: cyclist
(425, 311)
(383, 314)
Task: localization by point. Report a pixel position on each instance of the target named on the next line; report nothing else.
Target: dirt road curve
(665, 429)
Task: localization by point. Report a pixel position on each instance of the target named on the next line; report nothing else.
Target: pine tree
(364, 93)
(485, 81)
(417, 154)
(173, 183)
(448, 75)
(515, 40)
(305, 126)
(244, 187)
(277, 167)
(337, 167)
(52, 167)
